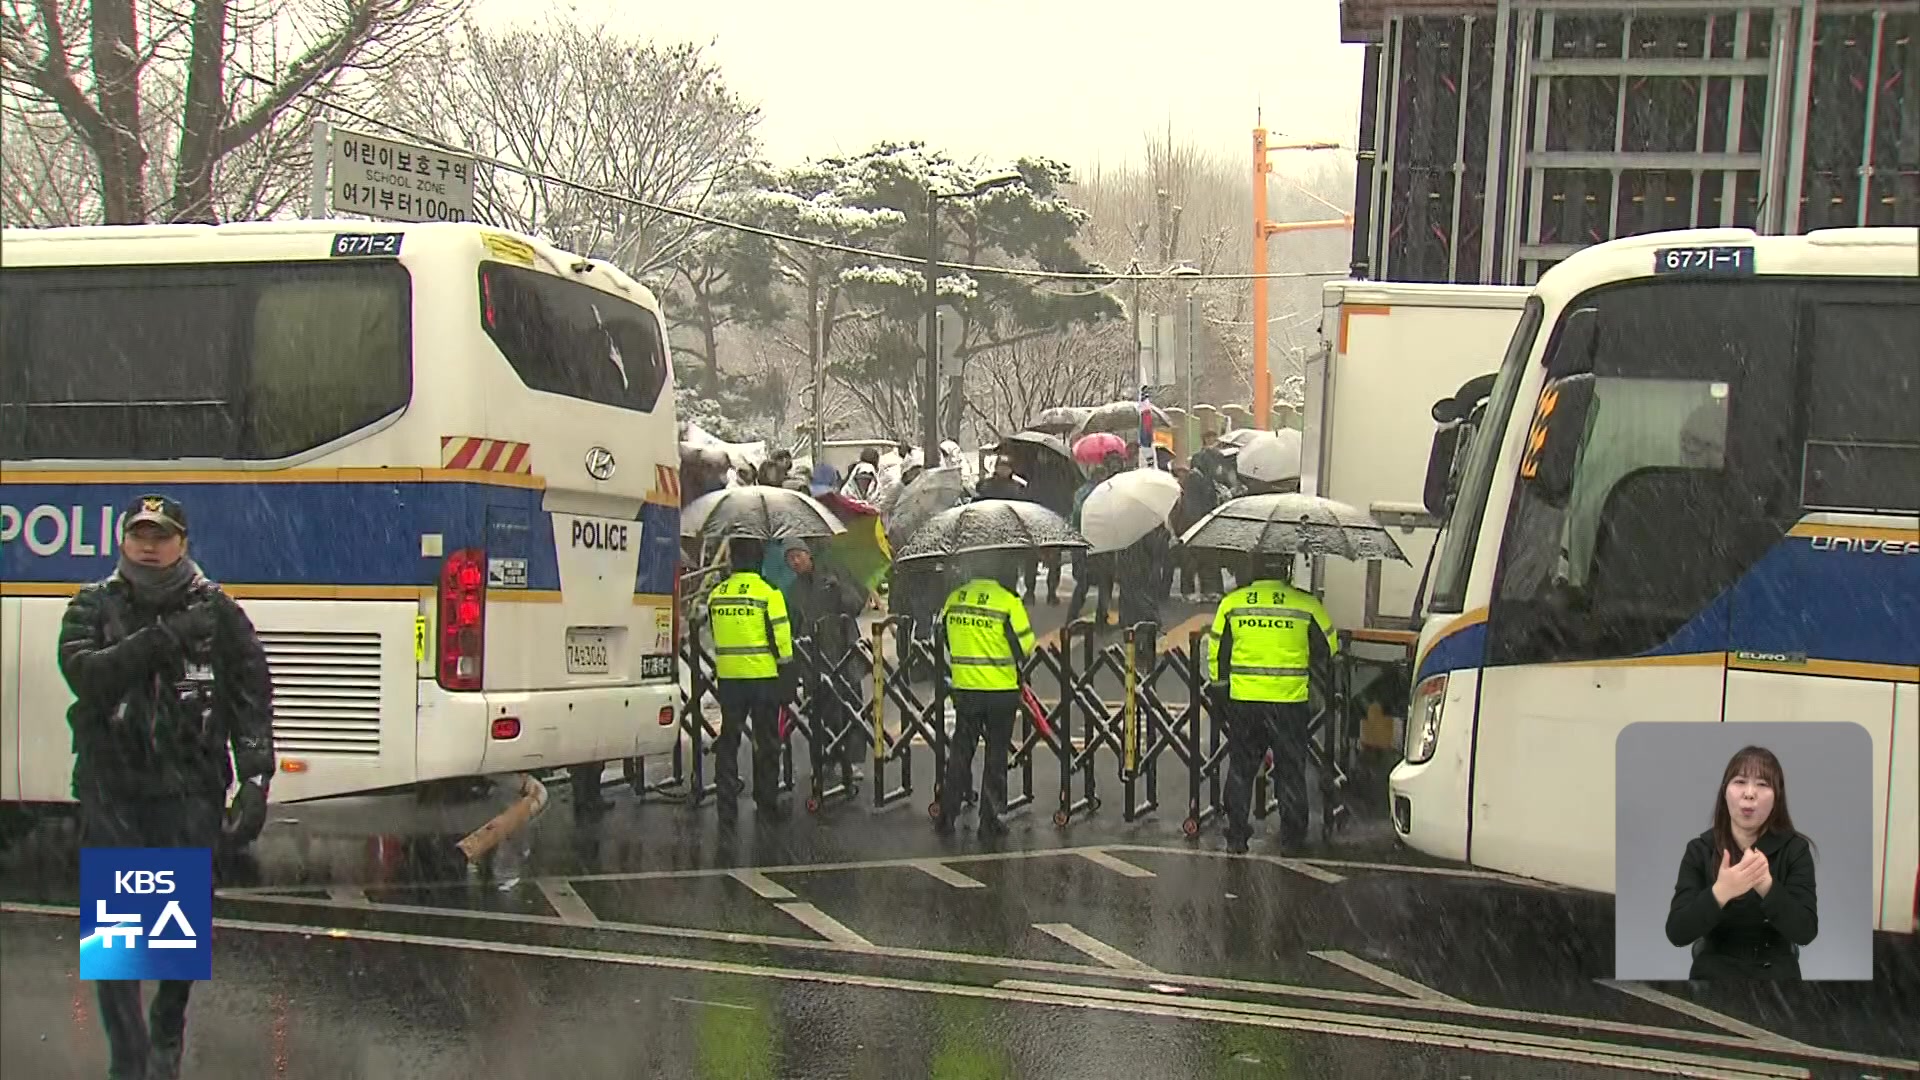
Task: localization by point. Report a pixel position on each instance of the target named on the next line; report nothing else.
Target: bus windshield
(1463, 525)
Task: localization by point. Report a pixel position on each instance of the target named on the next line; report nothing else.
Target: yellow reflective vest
(751, 634)
(983, 621)
(1265, 627)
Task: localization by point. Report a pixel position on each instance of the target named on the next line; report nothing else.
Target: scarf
(159, 588)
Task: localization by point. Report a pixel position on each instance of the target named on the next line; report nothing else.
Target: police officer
(752, 659)
(172, 698)
(988, 641)
(1267, 635)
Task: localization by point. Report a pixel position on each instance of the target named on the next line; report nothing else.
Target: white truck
(1389, 351)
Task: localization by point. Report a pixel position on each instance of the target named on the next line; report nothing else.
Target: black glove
(247, 814)
(194, 625)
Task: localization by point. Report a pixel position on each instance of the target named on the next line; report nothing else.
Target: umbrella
(1121, 416)
(1123, 509)
(1239, 436)
(758, 512)
(1037, 439)
(913, 505)
(862, 551)
(1291, 523)
(1092, 449)
(1061, 419)
(1271, 456)
(989, 525)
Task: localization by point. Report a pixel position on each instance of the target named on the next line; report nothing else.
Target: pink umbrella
(1094, 448)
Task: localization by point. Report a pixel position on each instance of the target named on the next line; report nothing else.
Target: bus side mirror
(1440, 459)
(1578, 341)
(1554, 439)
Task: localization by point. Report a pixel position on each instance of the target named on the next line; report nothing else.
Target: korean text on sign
(146, 913)
(399, 181)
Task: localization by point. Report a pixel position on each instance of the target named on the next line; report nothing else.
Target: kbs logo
(146, 913)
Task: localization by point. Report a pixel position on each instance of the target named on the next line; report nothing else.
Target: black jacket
(154, 717)
(1752, 937)
(821, 604)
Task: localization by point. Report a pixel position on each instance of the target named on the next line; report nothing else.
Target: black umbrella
(758, 512)
(1289, 523)
(1038, 439)
(989, 525)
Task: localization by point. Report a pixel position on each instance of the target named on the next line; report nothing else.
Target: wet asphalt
(653, 941)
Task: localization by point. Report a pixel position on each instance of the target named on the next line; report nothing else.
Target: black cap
(162, 511)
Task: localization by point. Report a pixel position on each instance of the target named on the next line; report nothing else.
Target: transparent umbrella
(989, 525)
(758, 512)
(1271, 456)
(1290, 523)
(931, 492)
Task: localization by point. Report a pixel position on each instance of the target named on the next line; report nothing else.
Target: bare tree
(1009, 386)
(587, 105)
(183, 112)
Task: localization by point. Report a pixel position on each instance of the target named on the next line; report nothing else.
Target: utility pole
(1262, 229)
(930, 380)
(819, 376)
(1192, 436)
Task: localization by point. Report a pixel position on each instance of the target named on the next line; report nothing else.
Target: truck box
(1389, 350)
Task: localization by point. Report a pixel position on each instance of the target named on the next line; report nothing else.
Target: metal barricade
(868, 701)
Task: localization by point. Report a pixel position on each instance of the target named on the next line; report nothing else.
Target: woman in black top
(1745, 893)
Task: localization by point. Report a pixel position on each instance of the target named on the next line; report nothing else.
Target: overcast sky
(1081, 80)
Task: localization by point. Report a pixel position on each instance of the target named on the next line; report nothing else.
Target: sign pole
(317, 189)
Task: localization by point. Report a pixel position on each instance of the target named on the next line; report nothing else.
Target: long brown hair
(1759, 763)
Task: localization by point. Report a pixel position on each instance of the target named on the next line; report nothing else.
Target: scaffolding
(1498, 138)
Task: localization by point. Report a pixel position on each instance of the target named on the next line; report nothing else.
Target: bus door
(1632, 519)
(1822, 627)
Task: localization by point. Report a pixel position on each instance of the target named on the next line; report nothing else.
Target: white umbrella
(1240, 436)
(1271, 456)
(1127, 507)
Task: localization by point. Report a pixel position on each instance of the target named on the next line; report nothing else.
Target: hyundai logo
(600, 463)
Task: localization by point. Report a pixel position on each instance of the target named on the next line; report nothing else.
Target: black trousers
(139, 1046)
(1201, 571)
(744, 703)
(977, 714)
(1093, 572)
(1255, 727)
(1030, 573)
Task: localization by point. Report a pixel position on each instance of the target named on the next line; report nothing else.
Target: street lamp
(930, 388)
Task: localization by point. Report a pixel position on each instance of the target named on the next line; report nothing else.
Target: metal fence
(1094, 702)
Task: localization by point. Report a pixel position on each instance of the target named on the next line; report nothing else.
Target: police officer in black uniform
(173, 698)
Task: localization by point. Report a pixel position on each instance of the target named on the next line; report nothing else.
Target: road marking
(567, 904)
(1049, 967)
(1698, 1012)
(713, 1004)
(349, 895)
(1305, 869)
(1671, 1062)
(761, 884)
(824, 924)
(1094, 998)
(1077, 938)
(939, 871)
(1118, 866)
(1373, 972)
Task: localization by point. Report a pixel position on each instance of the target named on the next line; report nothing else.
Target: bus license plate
(587, 652)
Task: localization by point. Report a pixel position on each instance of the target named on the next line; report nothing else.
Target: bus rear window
(239, 361)
(566, 338)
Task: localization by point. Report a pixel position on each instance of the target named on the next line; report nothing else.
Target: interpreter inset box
(1743, 851)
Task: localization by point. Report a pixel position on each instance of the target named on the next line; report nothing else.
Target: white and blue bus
(435, 463)
(1692, 492)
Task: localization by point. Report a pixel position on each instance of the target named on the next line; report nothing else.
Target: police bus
(1692, 492)
(435, 463)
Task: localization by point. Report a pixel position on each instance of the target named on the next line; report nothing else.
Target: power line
(788, 238)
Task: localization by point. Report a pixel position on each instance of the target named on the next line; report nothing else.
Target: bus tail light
(463, 619)
(1423, 719)
(666, 716)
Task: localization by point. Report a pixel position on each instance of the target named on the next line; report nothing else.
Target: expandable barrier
(865, 712)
